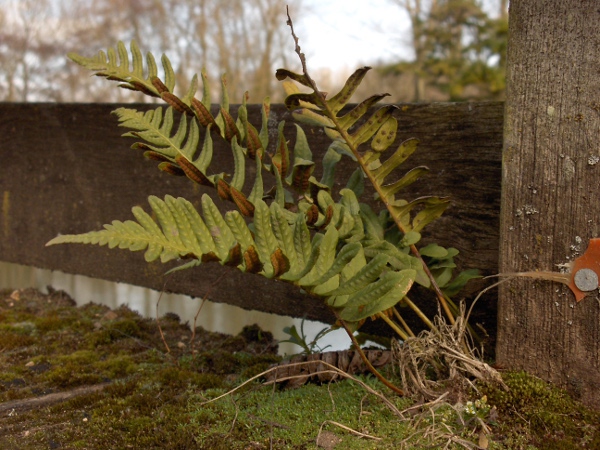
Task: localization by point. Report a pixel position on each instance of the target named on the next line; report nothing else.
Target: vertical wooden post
(551, 190)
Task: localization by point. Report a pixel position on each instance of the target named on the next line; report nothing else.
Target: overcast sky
(342, 34)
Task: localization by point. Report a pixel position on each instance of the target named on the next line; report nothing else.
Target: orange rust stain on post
(589, 260)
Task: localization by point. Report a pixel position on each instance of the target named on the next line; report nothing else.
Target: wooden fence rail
(65, 169)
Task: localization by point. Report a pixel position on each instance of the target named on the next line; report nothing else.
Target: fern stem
(372, 369)
(418, 312)
(393, 326)
(440, 295)
(403, 322)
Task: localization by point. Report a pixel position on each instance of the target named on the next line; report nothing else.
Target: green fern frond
(115, 64)
(378, 296)
(283, 249)
(353, 129)
(177, 148)
(159, 242)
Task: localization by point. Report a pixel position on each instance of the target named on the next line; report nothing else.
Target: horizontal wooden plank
(65, 169)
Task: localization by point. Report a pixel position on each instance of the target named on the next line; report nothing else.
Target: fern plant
(300, 230)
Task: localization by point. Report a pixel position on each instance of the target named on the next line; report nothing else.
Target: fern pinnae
(308, 263)
(191, 139)
(239, 165)
(373, 228)
(219, 120)
(156, 129)
(375, 290)
(257, 192)
(281, 159)
(346, 223)
(191, 92)
(280, 192)
(379, 296)
(201, 231)
(180, 135)
(254, 146)
(434, 208)
(338, 101)
(242, 118)
(265, 239)
(330, 160)
(204, 159)
(128, 235)
(184, 226)
(243, 204)
(230, 129)
(365, 276)
(239, 228)
(220, 232)
(284, 234)
(350, 201)
(206, 98)
(327, 252)
(138, 64)
(389, 190)
(115, 65)
(151, 67)
(303, 165)
(124, 56)
(314, 118)
(372, 125)
(385, 135)
(169, 72)
(167, 222)
(177, 103)
(343, 257)
(150, 229)
(264, 127)
(405, 149)
(302, 241)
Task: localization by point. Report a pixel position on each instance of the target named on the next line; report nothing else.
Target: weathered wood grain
(550, 204)
(65, 169)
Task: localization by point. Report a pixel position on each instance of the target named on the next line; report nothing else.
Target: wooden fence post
(551, 191)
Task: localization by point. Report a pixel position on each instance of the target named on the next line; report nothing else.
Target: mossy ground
(138, 395)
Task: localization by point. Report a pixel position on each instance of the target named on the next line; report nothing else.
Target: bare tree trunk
(550, 193)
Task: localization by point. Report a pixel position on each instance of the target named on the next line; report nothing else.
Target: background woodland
(458, 47)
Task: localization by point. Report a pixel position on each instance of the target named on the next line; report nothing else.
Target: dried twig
(344, 427)
(162, 336)
(210, 288)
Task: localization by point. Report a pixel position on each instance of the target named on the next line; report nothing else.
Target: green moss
(547, 414)
(293, 418)
(11, 339)
(117, 367)
(73, 370)
(112, 331)
(154, 398)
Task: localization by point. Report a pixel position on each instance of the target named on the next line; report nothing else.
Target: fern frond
(378, 129)
(177, 148)
(115, 64)
(378, 296)
(163, 241)
(277, 248)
